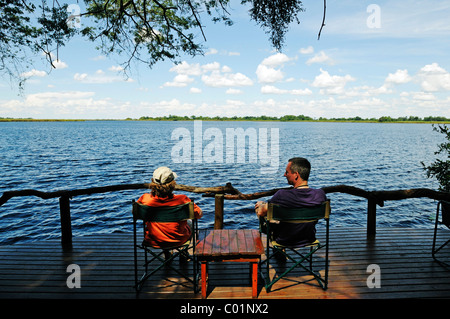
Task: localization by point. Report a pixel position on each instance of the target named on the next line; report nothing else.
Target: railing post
(371, 218)
(218, 211)
(66, 223)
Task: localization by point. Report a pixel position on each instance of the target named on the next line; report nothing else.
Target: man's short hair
(301, 166)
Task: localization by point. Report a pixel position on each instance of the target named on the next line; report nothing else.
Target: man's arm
(261, 208)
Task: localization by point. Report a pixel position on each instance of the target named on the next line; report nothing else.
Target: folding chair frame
(164, 214)
(441, 204)
(284, 250)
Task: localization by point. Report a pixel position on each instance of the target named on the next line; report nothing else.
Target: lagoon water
(50, 156)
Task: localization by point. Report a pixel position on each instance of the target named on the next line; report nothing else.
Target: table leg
(204, 275)
(254, 280)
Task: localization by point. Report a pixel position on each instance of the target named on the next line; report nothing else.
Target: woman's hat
(163, 175)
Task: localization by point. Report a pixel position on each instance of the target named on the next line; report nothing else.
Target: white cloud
(58, 64)
(186, 68)
(99, 58)
(195, 90)
(76, 104)
(233, 91)
(331, 84)
(423, 96)
(308, 50)
(214, 66)
(301, 92)
(212, 51)
(180, 80)
(434, 78)
(166, 107)
(399, 77)
(275, 60)
(80, 76)
(268, 75)
(116, 68)
(212, 74)
(100, 77)
(270, 89)
(217, 79)
(34, 72)
(226, 69)
(320, 57)
(269, 70)
(56, 98)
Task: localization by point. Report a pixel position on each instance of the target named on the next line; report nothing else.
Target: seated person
(294, 234)
(166, 235)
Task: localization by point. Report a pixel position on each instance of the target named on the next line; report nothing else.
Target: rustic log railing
(221, 193)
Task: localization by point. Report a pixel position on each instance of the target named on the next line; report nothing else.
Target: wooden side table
(230, 245)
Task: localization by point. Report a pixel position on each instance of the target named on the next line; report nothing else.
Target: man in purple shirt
(294, 234)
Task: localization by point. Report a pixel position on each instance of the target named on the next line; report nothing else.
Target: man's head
(297, 171)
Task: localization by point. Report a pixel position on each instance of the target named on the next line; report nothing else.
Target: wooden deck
(38, 270)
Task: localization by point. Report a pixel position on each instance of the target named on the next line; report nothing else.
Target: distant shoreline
(286, 118)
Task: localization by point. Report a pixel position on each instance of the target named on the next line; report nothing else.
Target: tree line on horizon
(287, 118)
(284, 118)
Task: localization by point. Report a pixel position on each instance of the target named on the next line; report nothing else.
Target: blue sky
(374, 58)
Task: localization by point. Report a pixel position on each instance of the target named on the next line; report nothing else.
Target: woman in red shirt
(166, 235)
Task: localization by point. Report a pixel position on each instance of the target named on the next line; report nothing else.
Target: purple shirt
(297, 234)
(299, 197)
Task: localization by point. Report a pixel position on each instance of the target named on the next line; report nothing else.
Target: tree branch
(323, 20)
(196, 19)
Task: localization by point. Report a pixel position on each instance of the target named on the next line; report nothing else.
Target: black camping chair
(162, 215)
(444, 207)
(297, 254)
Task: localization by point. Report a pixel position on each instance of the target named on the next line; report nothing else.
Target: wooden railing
(221, 193)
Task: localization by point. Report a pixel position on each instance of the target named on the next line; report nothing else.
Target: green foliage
(301, 117)
(27, 28)
(275, 16)
(440, 169)
(144, 31)
(147, 31)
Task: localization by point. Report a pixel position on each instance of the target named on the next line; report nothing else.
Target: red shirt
(165, 235)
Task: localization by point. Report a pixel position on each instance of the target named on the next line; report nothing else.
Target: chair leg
(165, 262)
(297, 263)
(433, 250)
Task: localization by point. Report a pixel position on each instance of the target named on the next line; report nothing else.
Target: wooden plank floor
(38, 270)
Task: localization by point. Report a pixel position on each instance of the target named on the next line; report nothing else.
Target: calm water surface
(50, 156)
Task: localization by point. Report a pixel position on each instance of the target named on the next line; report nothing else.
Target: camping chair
(164, 214)
(445, 208)
(296, 254)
